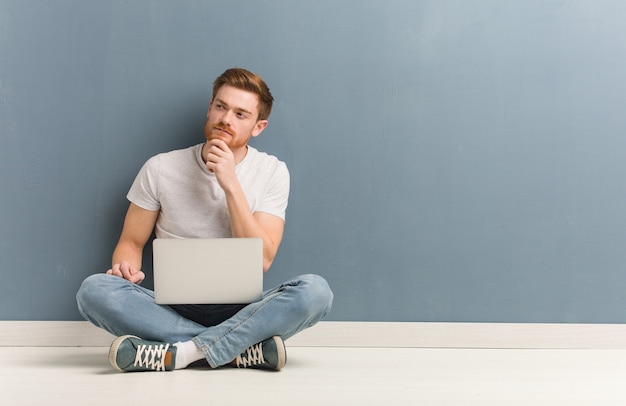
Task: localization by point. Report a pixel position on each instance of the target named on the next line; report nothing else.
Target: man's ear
(259, 127)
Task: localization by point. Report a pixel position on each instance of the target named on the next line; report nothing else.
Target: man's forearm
(244, 225)
(128, 252)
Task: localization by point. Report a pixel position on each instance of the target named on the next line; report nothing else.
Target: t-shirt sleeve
(277, 194)
(144, 191)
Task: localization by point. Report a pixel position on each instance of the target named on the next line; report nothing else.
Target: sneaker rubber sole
(282, 353)
(113, 351)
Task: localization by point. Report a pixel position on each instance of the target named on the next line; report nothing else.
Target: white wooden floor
(326, 376)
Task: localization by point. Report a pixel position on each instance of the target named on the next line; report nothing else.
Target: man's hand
(221, 161)
(127, 271)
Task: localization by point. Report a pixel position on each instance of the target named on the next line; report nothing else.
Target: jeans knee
(86, 291)
(317, 295)
(93, 290)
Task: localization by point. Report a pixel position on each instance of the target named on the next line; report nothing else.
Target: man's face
(232, 117)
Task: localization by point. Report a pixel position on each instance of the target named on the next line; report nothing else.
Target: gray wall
(450, 160)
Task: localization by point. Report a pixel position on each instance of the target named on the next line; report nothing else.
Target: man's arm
(127, 256)
(266, 226)
(243, 223)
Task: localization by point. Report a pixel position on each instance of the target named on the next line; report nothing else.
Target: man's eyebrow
(237, 108)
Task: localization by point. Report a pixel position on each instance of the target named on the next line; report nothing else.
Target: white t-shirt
(191, 202)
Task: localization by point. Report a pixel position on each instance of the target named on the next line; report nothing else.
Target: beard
(218, 131)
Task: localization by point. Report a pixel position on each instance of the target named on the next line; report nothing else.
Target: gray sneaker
(132, 354)
(268, 354)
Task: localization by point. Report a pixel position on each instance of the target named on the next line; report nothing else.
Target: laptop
(207, 271)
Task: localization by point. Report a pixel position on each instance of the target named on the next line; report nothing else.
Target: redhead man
(217, 189)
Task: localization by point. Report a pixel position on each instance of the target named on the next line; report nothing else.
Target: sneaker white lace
(151, 356)
(132, 354)
(252, 356)
(268, 354)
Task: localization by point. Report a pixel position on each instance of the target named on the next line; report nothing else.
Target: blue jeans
(222, 332)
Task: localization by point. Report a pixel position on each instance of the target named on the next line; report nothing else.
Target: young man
(220, 188)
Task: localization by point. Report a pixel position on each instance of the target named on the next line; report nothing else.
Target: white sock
(186, 353)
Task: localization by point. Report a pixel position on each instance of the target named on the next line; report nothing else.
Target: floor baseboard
(360, 334)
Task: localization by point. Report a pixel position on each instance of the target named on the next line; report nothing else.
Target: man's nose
(227, 117)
